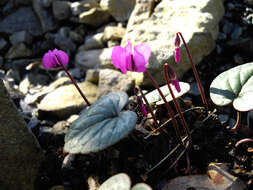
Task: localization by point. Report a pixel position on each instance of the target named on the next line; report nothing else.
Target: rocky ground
(87, 30)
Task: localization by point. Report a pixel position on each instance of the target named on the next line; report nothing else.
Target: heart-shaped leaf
(234, 85)
(141, 186)
(100, 125)
(120, 181)
(154, 96)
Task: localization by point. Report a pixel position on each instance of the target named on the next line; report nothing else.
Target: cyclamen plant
(127, 59)
(58, 59)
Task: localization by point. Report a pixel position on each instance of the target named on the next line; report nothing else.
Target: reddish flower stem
(170, 111)
(73, 81)
(243, 141)
(148, 105)
(186, 128)
(238, 121)
(195, 72)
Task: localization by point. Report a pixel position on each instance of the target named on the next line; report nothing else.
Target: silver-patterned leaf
(100, 125)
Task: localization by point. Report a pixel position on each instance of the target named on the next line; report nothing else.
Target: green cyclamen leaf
(154, 96)
(234, 85)
(141, 186)
(117, 182)
(100, 125)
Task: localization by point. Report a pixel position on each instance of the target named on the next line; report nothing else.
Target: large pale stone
(119, 9)
(93, 59)
(20, 153)
(196, 20)
(111, 81)
(66, 101)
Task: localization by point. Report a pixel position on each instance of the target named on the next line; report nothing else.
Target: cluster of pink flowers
(126, 59)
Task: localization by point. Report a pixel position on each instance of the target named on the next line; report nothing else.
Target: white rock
(119, 9)
(93, 59)
(196, 20)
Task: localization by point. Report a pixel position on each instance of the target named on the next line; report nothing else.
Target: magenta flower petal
(126, 60)
(176, 84)
(143, 49)
(49, 60)
(143, 110)
(177, 54)
(119, 58)
(62, 56)
(141, 56)
(129, 61)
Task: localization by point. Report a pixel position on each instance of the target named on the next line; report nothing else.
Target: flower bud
(177, 41)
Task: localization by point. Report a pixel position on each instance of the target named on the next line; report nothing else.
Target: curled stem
(186, 128)
(73, 81)
(170, 111)
(243, 141)
(238, 121)
(195, 72)
(148, 105)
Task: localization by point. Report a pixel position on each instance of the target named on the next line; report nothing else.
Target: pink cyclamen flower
(177, 48)
(128, 59)
(177, 54)
(51, 59)
(176, 84)
(173, 78)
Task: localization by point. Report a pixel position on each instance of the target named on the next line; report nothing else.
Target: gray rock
(64, 31)
(45, 18)
(32, 80)
(21, 37)
(66, 101)
(75, 73)
(18, 51)
(79, 7)
(111, 80)
(114, 33)
(75, 37)
(93, 59)
(95, 16)
(219, 179)
(20, 152)
(92, 42)
(236, 32)
(35, 98)
(1, 62)
(46, 3)
(119, 9)
(158, 27)
(227, 27)
(3, 44)
(92, 75)
(61, 127)
(65, 43)
(112, 43)
(22, 19)
(223, 179)
(61, 9)
(14, 74)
